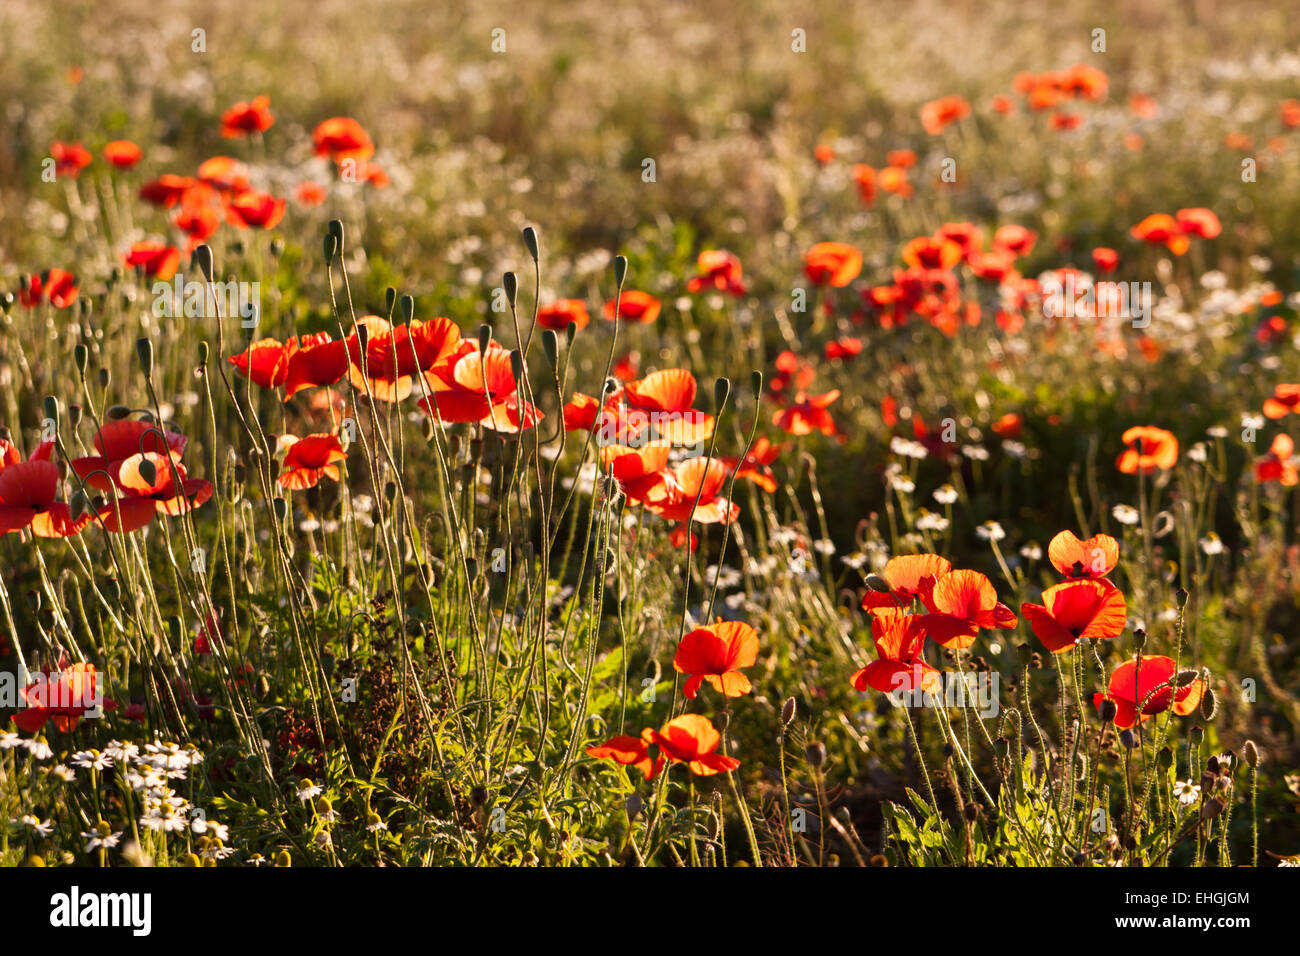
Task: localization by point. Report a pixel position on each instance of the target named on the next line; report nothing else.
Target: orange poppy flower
(582, 413)
(1290, 110)
(1093, 557)
(265, 362)
(937, 114)
(247, 117)
(153, 483)
(1016, 240)
(560, 314)
(57, 285)
(342, 137)
(692, 739)
(314, 361)
(719, 270)
(166, 190)
(225, 174)
(1065, 121)
(754, 466)
(116, 441)
(633, 306)
(469, 382)
(122, 153)
(1144, 684)
(832, 263)
(1162, 229)
(902, 158)
(893, 179)
(910, 576)
(395, 354)
(824, 154)
(261, 210)
(28, 492)
(716, 652)
(864, 177)
(1077, 610)
(1284, 401)
(309, 193)
(1199, 222)
(932, 253)
(631, 752)
(1001, 103)
(64, 697)
(1105, 259)
(807, 415)
(197, 221)
(900, 639)
(638, 471)
(69, 158)
(667, 395)
(695, 478)
(311, 458)
(960, 604)
(1280, 464)
(1149, 448)
(1144, 106)
(1009, 425)
(157, 259)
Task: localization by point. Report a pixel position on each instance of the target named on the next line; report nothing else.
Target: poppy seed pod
(148, 471)
(1181, 597)
(408, 307)
(787, 712)
(721, 389)
(144, 350)
(484, 337)
(510, 282)
(633, 806)
(1185, 677)
(620, 270)
(281, 508)
(204, 350)
(878, 584)
(570, 331)
(390, 300)
(1139, 638)
(330, 247)
(81, 355)
(201, 258)
(1107, 710)
(517, 364)
(1251, 754)
(1209, 704)
(104, 377)
(74, 415)
(815, 753)
(530, 242)
(52, 410)
(1127, 738)
(336, 230)
(551, 348)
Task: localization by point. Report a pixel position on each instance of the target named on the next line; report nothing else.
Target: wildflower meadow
(729, 435)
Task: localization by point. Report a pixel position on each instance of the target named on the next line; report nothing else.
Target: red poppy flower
(469, 383)
(265, 362)
(314, 361)
(1149, 448)
(633, 306)
(825, 154)
(841, 349)
(716, 652)
(1105, 259)
(900, 639)
(69, 158)
(893, 180)
(199, 222)
(157, 259)
(910, 576)
(309, 193)
(342, 137)
(960, 604)
(582, 413)
(119, 440)
(122, 153)
(1144, 684)
(152, 483)
(560, 314)
(631, 752)
(1065, 121)
(1284, 401)
(1290, 110)
(1077, 610)
(832, 263)
(166, 190)
(245, 118)
(1009, 425)
(692, 739)
(864, 177)
(638, 471)
(395, 354)
(932, 253)
(701, 478)
(1199, 222)
(1001, 103)
(64, 697)
(225, 174)
(1162, 229)
(791, 371)
(261, 210)
(719, 270)
(56, 285)
(667, 395)
(28, 490)
(937, 114)
(1280, 464)
(311, 458)
(1016, 240)
(902, 158)
(807, 415)
(1093, 557)
(754, 465)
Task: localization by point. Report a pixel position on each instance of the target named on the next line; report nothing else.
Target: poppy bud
(201, 258)
(336, 230)
(1195, 735)
(948, 751)
(1127, 739)
(1139, 638)
(330, 247)
(484, 337)
(1209, 704)
(1107, 710)
(517, 364)
(1212, 764)
(113, 590)
(52, 410)
(148, 471)
(815, 753)
(1185, 677)
(81, 355)
(551, 348)
(390, 491)
(879, 860)
(7, 301)
(570, 331)
(144, 350)
(1181, 597)
(756, 382)
(85, 307)
(721, 389)
(104, 377)
(471, 568)
(204, 349)
(530, 242)
(1079, 859)
(174, 627)
(408, 307)
(1211, 808)
(620, 270)
(1251, 753)
(633, 806)
(34, 599)
(878, 584)
(1165, 758)
(281, 508)
(510, 283)
(363, 336)
(787, 712)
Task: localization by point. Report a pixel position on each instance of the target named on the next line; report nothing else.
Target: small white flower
(63, 773)
(1014, 448)
(928, 521)
(1197, 452)
(1252, 422)
(857, 560)
(901, 484)
(975, 452)
(307, 790)
(824, 546)
(9, 740)
(38, 748)
(1211, 544)
(1032, 552)
(35, 824)
(92, 760)
(1186, 792)
(308, 525)
(1126, 514)
(945, 494)
(1217, 431)
(908, 448)
(121, 752)
(101, 839)
(990, 531)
